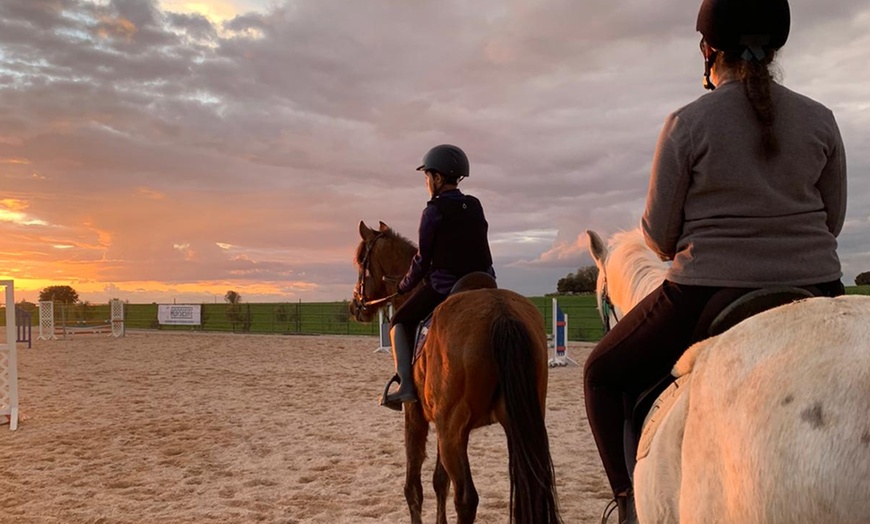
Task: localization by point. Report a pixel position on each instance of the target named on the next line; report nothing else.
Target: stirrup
(608, 510)
(630, 513)
(392, 403)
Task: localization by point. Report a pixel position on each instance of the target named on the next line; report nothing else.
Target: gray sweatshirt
(728, 217)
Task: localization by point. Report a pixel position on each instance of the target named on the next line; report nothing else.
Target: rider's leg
(406, 318)
(402, 355)
(634, 355)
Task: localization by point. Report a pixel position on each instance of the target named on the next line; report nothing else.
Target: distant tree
(863, 279)
(63, 294)
(30, 307)
(583, 281)
(565, 284)
(234, 311)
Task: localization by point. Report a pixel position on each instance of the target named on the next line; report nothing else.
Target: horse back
(777, 429)
(457, 366)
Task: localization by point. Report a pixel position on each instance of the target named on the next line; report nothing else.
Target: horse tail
(532, 477)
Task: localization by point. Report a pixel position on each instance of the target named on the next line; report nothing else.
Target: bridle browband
(360, 289)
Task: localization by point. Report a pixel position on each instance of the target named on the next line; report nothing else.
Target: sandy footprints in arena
(203, 428)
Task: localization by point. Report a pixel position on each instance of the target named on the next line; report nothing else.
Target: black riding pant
(641, 349)
(418, 306)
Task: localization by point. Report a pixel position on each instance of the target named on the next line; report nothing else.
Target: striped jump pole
(560, 338)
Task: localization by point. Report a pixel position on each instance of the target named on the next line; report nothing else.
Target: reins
(378, 302)
(607, 308)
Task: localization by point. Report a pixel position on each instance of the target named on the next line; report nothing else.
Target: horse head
(598, 250)
(628, 271)
(382, 258)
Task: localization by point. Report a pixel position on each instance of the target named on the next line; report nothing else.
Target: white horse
(772, 424)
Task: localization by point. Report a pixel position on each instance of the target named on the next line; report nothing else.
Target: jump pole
(384, 330)
(560, 338)
(9, 362)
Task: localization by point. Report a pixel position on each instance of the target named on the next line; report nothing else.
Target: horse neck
(633, 270)
(396, 256)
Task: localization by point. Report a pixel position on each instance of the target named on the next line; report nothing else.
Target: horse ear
(383, 227)
(365, 231)
(597, 248)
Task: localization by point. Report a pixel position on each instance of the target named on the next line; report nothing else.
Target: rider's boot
(627, 514)
(625, 510)
(404, 371)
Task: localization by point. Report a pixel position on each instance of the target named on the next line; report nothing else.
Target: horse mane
(393, 234)
(390, 234)
(633, 269)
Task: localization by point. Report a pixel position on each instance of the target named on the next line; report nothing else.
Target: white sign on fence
(179, 314)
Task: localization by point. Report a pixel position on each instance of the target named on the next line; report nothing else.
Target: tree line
(583, 280)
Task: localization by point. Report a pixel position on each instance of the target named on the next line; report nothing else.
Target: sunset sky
(159, 151)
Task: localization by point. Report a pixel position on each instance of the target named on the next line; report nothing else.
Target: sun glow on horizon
(12, 210)
(153, 291)
(216, 11)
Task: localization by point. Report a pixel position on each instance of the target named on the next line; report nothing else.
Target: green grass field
(584, 323)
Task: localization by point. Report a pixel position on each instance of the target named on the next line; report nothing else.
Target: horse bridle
(359, 291)
(607, 309)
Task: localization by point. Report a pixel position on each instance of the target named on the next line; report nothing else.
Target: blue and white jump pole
(560, 338)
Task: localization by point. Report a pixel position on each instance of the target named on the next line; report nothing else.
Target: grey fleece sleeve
(832, 182)
(662, 222)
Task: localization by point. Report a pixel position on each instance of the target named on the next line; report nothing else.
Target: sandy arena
(207, 428)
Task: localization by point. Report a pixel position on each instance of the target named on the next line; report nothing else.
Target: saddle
(470, 282)
(658, 399)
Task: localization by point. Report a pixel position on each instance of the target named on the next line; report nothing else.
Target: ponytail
(756, 77)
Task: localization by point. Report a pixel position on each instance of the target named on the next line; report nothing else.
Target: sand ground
(199, 427)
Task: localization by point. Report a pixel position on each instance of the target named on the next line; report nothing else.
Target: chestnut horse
(484, 360)
(771, 422)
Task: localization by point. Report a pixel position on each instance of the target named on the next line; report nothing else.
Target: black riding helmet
(448, 160)
(733, 26)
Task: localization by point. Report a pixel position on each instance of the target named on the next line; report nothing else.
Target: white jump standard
(9, 361)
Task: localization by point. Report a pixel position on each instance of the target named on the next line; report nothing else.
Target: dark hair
(757, 76)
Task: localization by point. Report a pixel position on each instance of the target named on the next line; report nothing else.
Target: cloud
(257, 135)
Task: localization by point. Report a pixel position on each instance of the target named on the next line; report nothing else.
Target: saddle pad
(657, 413)
(422, 332)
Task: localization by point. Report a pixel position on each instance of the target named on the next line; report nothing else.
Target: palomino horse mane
(632, 270)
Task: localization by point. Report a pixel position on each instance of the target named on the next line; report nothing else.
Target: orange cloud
(116, 28)
(150, 193)
(14, 160)
(12, 210)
